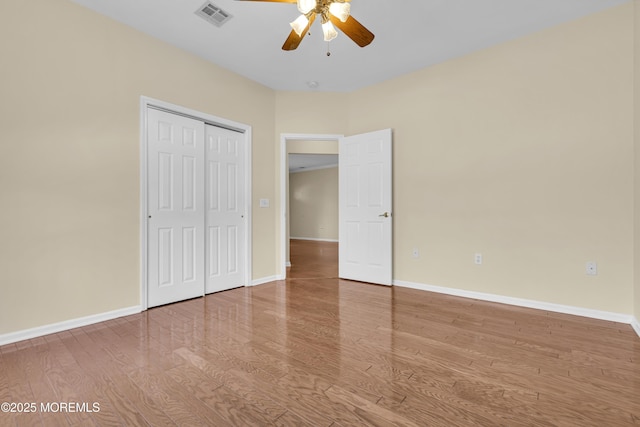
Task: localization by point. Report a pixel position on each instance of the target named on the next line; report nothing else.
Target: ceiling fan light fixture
(340, 10)
(300, 24)
(306, 6)
(329, 31)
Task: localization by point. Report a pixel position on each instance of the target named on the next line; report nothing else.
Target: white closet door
(176, 253)
(225, 215)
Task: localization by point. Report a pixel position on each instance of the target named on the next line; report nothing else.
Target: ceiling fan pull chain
(328, 50)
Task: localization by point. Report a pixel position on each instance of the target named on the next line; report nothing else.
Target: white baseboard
(521, 302)
(263, 280)
(313, 239)
(288, 264)
(66, 325)
(578, 311)
(635, 325)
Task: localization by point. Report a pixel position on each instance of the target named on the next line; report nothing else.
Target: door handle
(386, 215)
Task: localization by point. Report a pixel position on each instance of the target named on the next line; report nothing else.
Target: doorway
(195, 203)
(365, 204)
(319, 143)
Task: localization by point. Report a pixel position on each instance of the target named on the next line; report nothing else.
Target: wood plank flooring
(318, 351)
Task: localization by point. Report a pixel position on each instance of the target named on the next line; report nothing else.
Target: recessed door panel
(165, 181)
(213, 143)
(165, 257)
(165, 132)
(189, 254)
(375, 239)
(213, 192)
(232, 249)
(189, 136)
(352, 250)
(352, 185)
(374, 185)
(189, 187)
(213, 248)
(232, 187)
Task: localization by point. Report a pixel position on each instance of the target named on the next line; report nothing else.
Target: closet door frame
(145, 104)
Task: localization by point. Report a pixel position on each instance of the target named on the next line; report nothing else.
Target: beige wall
(636, 4)
(311, 112)
(313, 198)
(524, 153)
(70, 89)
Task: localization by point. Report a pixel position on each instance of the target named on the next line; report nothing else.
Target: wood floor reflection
(313, 260)
(318, 351)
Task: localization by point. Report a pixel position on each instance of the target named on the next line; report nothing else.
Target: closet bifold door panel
(176, 208)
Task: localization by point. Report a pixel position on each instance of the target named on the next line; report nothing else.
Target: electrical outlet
(478, 259)
(415, 253)
(592, 269)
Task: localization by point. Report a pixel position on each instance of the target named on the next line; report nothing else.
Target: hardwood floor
(319, 351)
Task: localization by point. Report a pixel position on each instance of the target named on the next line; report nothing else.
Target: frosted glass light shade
(300, 24)
(305, 6)
(340, 10)
(329, 31)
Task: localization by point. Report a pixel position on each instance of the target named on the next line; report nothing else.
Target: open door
(365, 219)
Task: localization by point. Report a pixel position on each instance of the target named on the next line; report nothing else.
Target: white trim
(66, 325)
(248, 222)
(635, 325)
(314, 239)
(288, 264)
(521, 302)
(284, 176)
(314, 168)
(264, 280)
(145, 103)
(143, 203)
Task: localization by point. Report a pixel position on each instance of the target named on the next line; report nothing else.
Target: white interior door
(365, 205)
(175, 159)
(226, 231)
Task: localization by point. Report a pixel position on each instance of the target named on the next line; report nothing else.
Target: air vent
(213, 14)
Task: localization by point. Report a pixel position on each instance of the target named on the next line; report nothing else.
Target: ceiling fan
(332, 12)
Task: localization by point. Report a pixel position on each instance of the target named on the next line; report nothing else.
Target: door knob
(386, 215)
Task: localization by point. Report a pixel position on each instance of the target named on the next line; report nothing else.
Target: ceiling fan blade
(354, 30)
(293, 41)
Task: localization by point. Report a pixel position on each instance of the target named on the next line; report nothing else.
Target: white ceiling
(410, 35)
